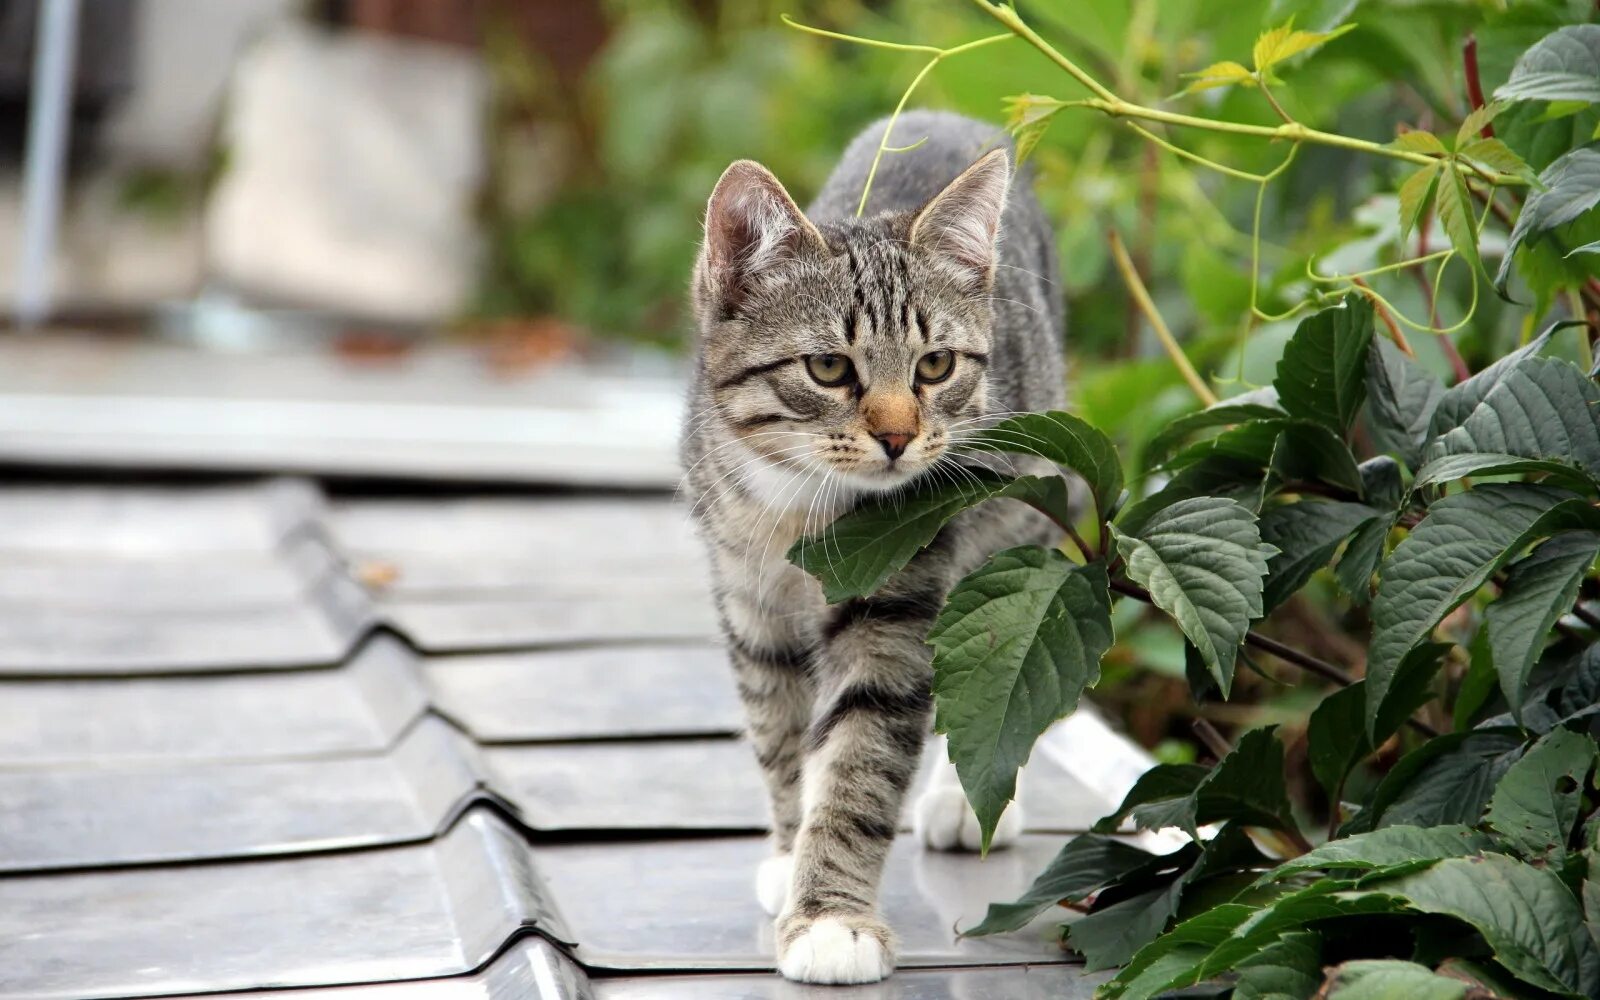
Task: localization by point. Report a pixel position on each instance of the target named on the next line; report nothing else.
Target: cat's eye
(935, 366)
(830, 369)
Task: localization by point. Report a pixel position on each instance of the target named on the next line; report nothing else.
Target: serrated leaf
(1461, 399)
(1402, 397)
(1219, 74)
(1336, 738)
(1246, 786)
(1445, 559)
(1064, 439)
(1322, 376)
(1030, 109)
(1389, 979)
(1228, 412)
(1285, 42)
(1085, 865)
(1570, 186)
(1449, 468)
(1416, 192)
(1306, 535)
(1289, 967)
(1213, 476)
(1562, 66)
(1448, 779)
(1475, 122)
(1529, 919)
(1419, 141)
(1203, 562)
(1361, 558)
(1541, 408)
(1307, 453)
(1017, 642)
(1172, 959)
(1458, 217)
(1540, 588)
(856, 554)
(1387, 848)
(1496, 155)
(1536, 804)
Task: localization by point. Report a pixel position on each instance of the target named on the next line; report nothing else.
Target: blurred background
(479, 218)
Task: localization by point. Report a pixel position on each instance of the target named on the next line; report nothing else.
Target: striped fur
(837, 697)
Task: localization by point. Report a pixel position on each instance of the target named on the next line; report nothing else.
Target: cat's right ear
(751, 225)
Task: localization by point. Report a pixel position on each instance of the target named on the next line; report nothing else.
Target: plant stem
(1109, 103)
(1399, 338)
(1141, 297)
(1469, 66)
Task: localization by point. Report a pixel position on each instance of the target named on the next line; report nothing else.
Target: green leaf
(1449, 468)
(1285, 42)
(1310, 453)
(1474, 124)
(1064, 439)
(1402, 397)
(1420, 141)
(1442, 562)
(1246, 786)
(1085, 865)
(1322, 376)
(1562, 66)
(856, 554)
(1289, 967)
(1236, 479)
(1306, 534)
(1527, 916)
(1535, 805)
(1496, 155)
(1569, 187)
(1336, 737)
(1387, 848)
(1542, 408)
(1448, 779)
(1539, 589)
(1415, 193)
(1171, 960)
(1203, 562)
(1250, 406)
(1219, 74)
(1381, 482)
(1361, 558)
(1017, 642)
(1458, 401)
(1390, 979)
(1458, 217)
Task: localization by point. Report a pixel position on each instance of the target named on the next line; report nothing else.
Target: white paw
(944, 821)
(837, 950)
(772, 883)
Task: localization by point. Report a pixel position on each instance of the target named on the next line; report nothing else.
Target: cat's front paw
(835, 949)
(772, 883)
(944, 821)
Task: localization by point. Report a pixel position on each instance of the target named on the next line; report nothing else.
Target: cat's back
(1027, 371)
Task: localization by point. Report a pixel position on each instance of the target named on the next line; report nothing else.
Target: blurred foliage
(682, 89)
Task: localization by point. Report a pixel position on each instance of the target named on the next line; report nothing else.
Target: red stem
(1469, 62)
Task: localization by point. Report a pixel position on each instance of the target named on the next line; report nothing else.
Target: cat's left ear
(962, 223)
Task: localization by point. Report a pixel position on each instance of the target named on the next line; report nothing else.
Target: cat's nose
(894, 444)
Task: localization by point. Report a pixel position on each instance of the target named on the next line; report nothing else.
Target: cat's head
(859, 349)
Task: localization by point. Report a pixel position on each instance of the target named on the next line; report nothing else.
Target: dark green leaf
(1216, 476)
(1336, 737)
(1402, 397)
(1527, 916)
(1322, 376)
(1443, 561)
(1064, 439)
(1449, 468)
(1580, 684)
(1250, 406)
(1535, 805)
(1172, 959)
(1539, 589)
(1203, 562)
(1542, 408)
(1458, 401)
(1570, 187)
(1387, 848)
(1017, 642)
(1306, 534)
(1247, 786)
(1562, 66)
(1381, 483)
(1289, 967)
(1361, 558)
(1310, 454)
(1086, 864)
(856, 554)
(1446, 780)
(1390, 979)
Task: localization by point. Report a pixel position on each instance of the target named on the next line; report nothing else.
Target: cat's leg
(944, 820)
(773, 678)
(861, 754)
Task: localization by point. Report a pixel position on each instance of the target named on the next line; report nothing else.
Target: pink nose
(894, 444)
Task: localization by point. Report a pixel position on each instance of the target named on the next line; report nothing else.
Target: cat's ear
(751, 225)
(961, 224)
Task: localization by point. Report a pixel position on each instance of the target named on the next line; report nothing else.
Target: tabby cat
(838, 358)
